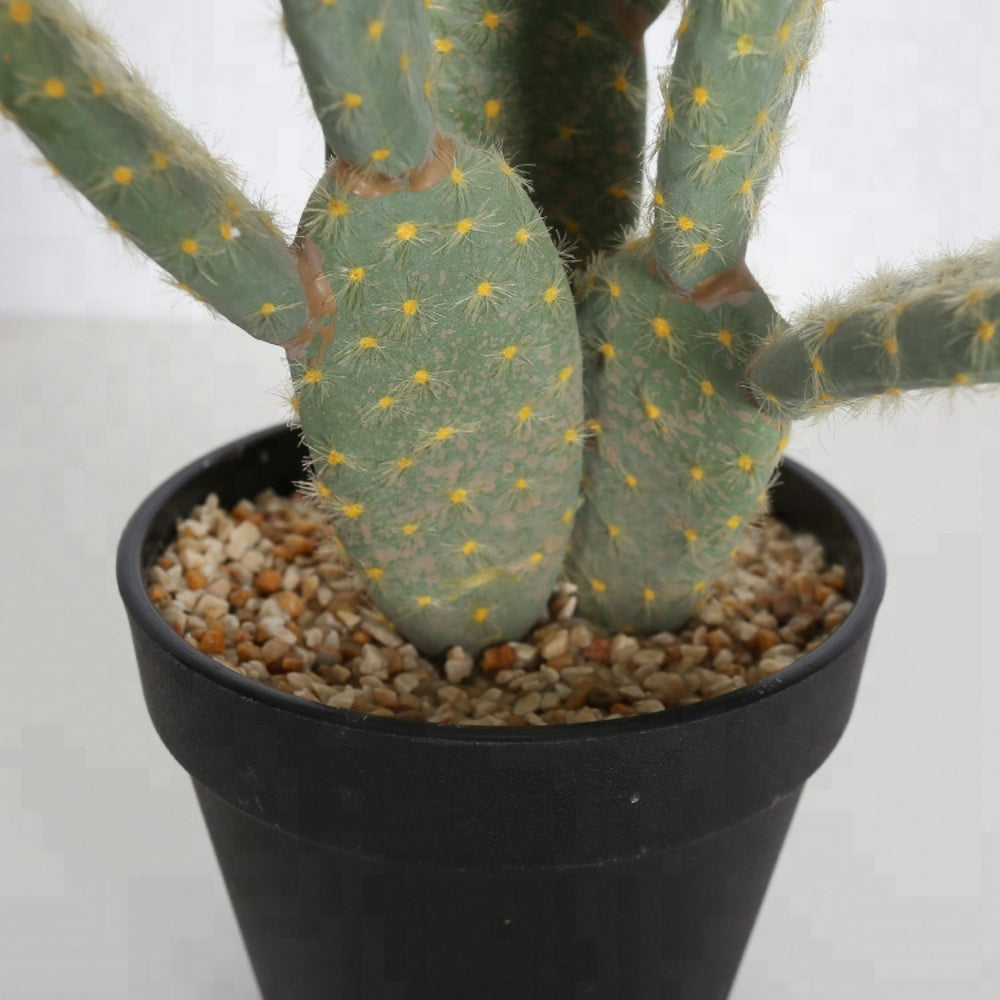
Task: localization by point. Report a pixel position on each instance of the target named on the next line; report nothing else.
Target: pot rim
(130, 572)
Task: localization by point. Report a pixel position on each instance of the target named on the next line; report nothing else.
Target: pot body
(380, 859)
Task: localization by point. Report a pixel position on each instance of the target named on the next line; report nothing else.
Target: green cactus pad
(737, 66)
(680, 458)
(366, 67)
(444, 414)
(156, 183)
(563, 88)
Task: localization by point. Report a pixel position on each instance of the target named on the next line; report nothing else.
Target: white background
(889, 886)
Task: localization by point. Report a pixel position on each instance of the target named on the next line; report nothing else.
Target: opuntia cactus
(438, 364)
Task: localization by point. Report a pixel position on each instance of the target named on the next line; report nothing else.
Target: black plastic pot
(379, 859)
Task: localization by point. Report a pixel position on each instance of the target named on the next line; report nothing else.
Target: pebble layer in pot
(454, 394)
(381, 858)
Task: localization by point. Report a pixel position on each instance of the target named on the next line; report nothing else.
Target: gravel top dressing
(265, 590)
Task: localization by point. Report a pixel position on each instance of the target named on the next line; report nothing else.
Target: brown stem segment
(320, 300)
(734, 286)
(368, 184)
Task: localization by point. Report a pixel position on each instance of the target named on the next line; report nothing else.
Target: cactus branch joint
(470, 336)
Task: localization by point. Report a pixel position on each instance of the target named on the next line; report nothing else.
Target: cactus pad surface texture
(476, 424)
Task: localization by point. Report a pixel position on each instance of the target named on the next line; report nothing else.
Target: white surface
(889, 885)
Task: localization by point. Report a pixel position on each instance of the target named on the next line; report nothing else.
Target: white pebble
(372, 660)
(623, 648)
(210, 606)
(458, 665)
(243, 538)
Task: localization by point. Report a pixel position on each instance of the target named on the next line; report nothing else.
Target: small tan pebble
(300, 681)
(724, 663)
(406, 681)
(646, 659)
(666, 686)
(528, 703)
(408, 702)
(348, 618)
(835, 617)
(239, 597)
(580, 636)
(195, 579)
(622, 710)
(498, 658)
(191, 558)
(213, 641)
(242, 538)
(577, 698)
(344, 698)
(763, 640)
(555, 645)
(158, 593)
(526, 656)
(458, 665)
(784, 605)
(273, 650)
(210, 606)
(245, 510)
(385, 697)
(290, 603)
(693, 655)
(663, 639)
(623, 648)
(717, 640)
(297, 545)
(220, 587)
(246, 651)
(712, 612)
(634, 692)
(192, 527)
(292, 662)
(267, 581)
(561, 662)
(599, 651)
(372, 661)
(771, 664)
(648, 705)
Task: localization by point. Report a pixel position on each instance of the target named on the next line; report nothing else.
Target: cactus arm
(737, 66)
(931, 326)
(562, 89)
(366, 66)
(108, 135)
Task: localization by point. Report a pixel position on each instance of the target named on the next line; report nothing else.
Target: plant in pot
(452, 394)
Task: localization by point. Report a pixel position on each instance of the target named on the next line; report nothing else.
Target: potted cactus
(452, 391)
